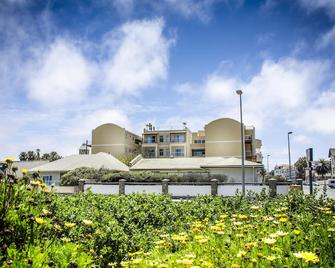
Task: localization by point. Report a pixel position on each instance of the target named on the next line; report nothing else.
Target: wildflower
(253, 260)
(234, 265)
(39, 220)
(35, 183)
(254, 207)
(281, 233)
(269, 241)
(24, 171)
(283, 220)
(296, 232)
(241, 254)
(271, 258)
(331, 230)
(88, 222)
(307, 256)
(185, 261)
(43, 185)
(9, 160)
(237, 223)
(136, 261)
(201, 239)
(124, 264)
(69, 225)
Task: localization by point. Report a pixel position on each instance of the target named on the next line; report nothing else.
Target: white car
(331, 183)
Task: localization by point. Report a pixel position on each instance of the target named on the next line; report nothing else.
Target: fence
(183, 189)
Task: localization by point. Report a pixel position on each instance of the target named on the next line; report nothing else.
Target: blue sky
(68, 66)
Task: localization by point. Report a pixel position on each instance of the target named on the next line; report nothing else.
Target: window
(198, 152)
(150, 139)
(47, 179)
(161, 138)
(167, 138)
(161, 152)
(167, 152)
(179, 152)
(178, 138)
(199, 141)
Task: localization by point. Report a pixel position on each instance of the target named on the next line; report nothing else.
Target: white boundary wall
(143, 189)
(102, 188)
(189, 190)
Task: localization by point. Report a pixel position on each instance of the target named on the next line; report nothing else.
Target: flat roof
(97, 161)
(187, 163)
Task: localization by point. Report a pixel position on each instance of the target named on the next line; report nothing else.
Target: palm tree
(322, 168)
(262, 173)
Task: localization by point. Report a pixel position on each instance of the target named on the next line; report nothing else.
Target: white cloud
(327, 39)
(59, 75)
(312, 5)
(219, 88)
(81, 125)
(139, 56)
(302, 139)
(319, 115)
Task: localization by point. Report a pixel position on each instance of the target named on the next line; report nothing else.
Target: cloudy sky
(68, 66)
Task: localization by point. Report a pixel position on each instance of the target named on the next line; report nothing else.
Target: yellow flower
(185, 261)
(241, 254)
(136, 261)
(24, 171)
(201, 239)
(9, 159)
(307, 256)
(39, 220)
(254, 207)
(296, 232)
(88, 222)
(234, 265)
(271, 258)
(35, 183)
(69, 225)
(269, 241)
(45, 211)
(283, 220)
(331, 230)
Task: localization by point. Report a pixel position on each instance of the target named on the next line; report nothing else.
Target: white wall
(147, 189)
(189, 190)
(235, 174)
(102, 188)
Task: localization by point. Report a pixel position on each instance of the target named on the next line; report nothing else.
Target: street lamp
(239, 92)
(268, 162)
(289, 155)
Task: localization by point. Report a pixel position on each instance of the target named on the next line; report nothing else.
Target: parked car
(331, 183)
(314, 183)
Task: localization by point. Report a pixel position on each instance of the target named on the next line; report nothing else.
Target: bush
(71, 178)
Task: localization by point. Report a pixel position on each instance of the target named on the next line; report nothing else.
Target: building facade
(331, 155)
(115, 140)
(284, 171)
(221, 137)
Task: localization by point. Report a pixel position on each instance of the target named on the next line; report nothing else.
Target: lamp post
(267, 157)
(289, 155)
(239, 92)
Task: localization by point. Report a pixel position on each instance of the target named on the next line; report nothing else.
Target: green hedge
(71, 178)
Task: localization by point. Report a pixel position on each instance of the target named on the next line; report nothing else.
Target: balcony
(248, 138)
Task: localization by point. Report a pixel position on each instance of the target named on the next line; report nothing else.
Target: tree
(31, 156)
(23, 156)
(301, 166)
(323, 167)
(126, 158)
(45, 156)
(262, 173)
(54, 156)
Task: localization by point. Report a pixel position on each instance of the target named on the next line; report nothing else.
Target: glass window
(167, 152)
(167, 138)
(179, 152)
(161, 152)
(161, 138)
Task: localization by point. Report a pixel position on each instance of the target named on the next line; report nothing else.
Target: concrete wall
(111, 138)
(223, 138)
(234, 174)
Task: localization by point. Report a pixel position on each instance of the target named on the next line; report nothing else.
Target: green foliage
(41, 229)
(301, 166)
(32, 156)
(323, 167)
(71, 178)
(126, 159)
